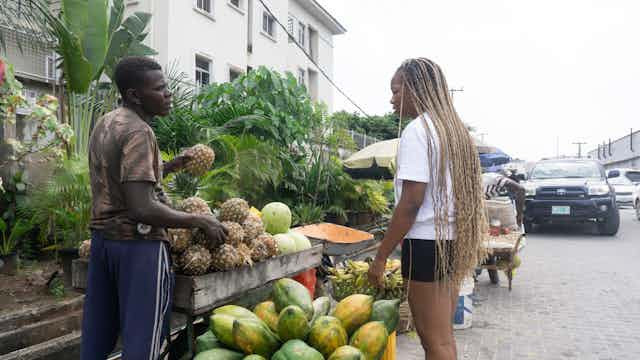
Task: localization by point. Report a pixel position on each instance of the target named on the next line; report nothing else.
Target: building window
(51, 67)
(290, 28)
(268, 24)
(234, 74)
(302, 30)
(235, 3)
(301, 77)
(203, 71)
(204, 5)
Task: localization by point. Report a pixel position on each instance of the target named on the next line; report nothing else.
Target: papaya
(288, 292)
(266, 311)
(207, 341)
(387, 311)
(327, 334)
(219, 354)
(297, 350)
(347, 353)
(253, 357)
(222, 327)
(236, 311)
(321, 307)
(354, 311)
(254, 337)
(371, 339)
(293, 324)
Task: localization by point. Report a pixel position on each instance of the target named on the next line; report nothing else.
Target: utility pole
(579, 148)
(482, 135)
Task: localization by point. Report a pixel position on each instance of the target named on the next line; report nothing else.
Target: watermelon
(288, 292)
(327, 334)
(301, 241)
(219, 354)
(293, 324)
(387, 311)
(207, 341)
(297, 350)
(276, 217)
(286, 244)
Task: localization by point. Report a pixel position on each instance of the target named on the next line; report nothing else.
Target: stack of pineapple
(246, 241)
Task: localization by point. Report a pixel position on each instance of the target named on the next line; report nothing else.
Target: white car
(625, 182)
(636, 201)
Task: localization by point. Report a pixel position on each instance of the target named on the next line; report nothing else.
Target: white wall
(179, 31)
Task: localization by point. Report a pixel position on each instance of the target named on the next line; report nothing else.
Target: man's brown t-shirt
(122, 148)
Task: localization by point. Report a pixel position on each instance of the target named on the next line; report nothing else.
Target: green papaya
(327, 334)
(293, 324)
(219, 354)
(321, 307)
(236, 311)
(371, 339)
(254, 337)
(222, 327)
(297, 350)
(288, 292)
(254, 357)
(207, 341)
(387, 311)
(347, 353)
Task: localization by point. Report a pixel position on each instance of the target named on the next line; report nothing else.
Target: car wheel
(611, 224)
(529, 227)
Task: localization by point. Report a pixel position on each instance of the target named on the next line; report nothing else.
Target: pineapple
(195, 205)
(235, 233)
(259, 250)
(196, 260)
(180, 239)
(245, 254)
(235, 210)
(202, 159)
(253, 227)
(269, 247)
(85, 249)
(226, 257)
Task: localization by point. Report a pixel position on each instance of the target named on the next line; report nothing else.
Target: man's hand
(213, 229)
(376, 272)
(179, 162)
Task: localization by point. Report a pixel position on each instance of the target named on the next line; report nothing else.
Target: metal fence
(362, 140)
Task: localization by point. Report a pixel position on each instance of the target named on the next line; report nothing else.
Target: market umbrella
(375, 161)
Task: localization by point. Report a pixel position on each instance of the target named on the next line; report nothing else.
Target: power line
(326, 76)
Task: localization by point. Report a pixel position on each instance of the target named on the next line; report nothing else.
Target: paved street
(576, 296)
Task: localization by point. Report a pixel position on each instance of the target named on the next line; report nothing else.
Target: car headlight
(598, 190)
(530, 190)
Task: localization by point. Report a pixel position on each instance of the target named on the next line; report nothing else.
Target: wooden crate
(195, 295)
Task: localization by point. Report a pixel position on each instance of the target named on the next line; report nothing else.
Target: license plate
(560, 210)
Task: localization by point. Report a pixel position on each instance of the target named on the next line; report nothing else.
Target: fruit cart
(502, 254)
(196, 296)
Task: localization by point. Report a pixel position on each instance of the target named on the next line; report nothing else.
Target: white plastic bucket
(464, 311)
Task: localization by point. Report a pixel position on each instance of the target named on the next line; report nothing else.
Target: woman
(439, 197)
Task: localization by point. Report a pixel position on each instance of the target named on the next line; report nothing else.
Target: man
(495, 184)
(130, 282)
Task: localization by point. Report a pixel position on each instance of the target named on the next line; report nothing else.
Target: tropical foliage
(381, 127)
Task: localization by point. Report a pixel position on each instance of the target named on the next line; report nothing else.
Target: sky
(535, 74)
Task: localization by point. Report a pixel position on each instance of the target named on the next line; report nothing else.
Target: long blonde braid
(426, 86)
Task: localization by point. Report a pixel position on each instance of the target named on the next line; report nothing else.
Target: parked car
(636, 201)
(625, 182)
(570, 191)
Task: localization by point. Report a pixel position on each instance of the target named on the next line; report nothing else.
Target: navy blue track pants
(128, 294)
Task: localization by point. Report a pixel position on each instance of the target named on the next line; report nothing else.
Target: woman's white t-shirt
(413, 165)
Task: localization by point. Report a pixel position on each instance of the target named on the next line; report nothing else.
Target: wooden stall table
(196, 296)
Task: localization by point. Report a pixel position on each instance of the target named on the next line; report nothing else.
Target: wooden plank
(17, 319)
(195, 295)
(199, 294)
(62, 348)
(37, 333)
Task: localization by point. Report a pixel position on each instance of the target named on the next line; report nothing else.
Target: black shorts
(421, 256)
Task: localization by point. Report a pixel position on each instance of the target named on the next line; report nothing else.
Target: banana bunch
(352, 279)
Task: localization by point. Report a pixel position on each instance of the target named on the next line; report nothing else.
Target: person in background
(439, 201)
(130, 281)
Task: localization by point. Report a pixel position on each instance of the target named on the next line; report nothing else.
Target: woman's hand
(376, 272)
